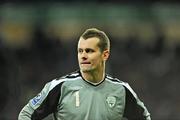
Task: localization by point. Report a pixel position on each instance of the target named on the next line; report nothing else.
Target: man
(87, 94)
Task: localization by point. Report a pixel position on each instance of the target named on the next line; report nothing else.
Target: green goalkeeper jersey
(73, 98)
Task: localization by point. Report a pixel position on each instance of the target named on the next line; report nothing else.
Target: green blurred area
(67, 21)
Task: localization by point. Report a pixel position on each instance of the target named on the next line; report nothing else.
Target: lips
(85, 63)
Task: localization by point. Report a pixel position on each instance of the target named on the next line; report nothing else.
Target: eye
(80, 50)
(89, 50)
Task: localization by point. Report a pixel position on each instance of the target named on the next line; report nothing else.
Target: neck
(94, 76)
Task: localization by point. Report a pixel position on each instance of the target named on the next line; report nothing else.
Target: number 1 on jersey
(77, 98)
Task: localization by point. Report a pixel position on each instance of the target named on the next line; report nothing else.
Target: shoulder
(120, 82)
(69, 76)
(113, 79)
(58, 82)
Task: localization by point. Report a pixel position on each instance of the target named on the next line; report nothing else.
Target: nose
(84, 56)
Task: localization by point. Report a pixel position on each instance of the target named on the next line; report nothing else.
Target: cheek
(78, 56)
(97, 60)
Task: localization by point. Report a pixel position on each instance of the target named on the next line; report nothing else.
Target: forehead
(88, 43)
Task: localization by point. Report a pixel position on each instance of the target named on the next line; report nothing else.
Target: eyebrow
(86, 49)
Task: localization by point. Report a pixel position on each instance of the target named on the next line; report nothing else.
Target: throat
(93, 78)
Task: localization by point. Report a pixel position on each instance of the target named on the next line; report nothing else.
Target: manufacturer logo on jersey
(111, 100)
(36, 99)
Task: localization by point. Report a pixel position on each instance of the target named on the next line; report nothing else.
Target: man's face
(90, 57)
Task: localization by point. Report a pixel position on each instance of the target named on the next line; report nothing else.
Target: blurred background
(38, 41)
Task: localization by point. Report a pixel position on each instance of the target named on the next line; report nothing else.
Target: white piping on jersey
(55, 82)
(146, 113)
(122, 83)
(74, 74)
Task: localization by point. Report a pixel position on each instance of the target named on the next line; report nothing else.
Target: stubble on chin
(86, 70)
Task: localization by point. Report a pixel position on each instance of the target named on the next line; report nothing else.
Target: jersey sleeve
(134, 107)
(44, 103)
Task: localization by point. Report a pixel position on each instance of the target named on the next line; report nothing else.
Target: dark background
(38, 40)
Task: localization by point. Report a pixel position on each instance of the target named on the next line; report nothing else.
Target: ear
(106, 54)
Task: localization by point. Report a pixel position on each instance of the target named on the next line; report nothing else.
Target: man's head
(104, 42)
(93, 50)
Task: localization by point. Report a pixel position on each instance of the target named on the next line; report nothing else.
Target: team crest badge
(111, 100)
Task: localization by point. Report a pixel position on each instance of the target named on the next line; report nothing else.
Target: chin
(86, 70)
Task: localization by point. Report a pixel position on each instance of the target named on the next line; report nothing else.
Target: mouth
(85, 63)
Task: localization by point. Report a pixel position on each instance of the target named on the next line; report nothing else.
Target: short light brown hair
(104, 42)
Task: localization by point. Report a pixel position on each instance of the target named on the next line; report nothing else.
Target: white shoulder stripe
(139, 102)
(129, 88)
(75, 74)
(115, 82)
(125, 84)
(55, 82)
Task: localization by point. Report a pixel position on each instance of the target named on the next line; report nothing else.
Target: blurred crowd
(97, 1)
(151, 68)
